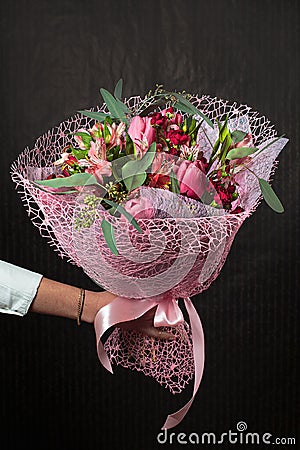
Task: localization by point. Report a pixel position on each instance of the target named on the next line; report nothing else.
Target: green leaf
(133, 172)
(118, 89)
(240, 152)
(122, 106)
(237, 136)
(78, 153)
(113, 105)
(192, 109)
(73, 191)
(225, 146)
(269, 196)
(174, 183)
(109, 236)
(86, 138)
(125, 213)
(134, 181)
(99, 116)
(78, 179)
(223, 130)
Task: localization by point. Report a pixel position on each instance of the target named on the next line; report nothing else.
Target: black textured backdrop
(55, 55)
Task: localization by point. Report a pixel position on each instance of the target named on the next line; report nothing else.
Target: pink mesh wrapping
(171, 364)
(176, 255)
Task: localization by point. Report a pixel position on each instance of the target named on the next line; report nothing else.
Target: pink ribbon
(168, 313)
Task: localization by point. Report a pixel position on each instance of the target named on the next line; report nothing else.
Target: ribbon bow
(168, 313)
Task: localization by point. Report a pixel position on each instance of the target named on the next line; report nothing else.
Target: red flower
(158, 120)
(158, 180)
(237, 210)
(177, 137)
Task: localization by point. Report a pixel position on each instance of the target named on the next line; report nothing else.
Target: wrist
(93, 302)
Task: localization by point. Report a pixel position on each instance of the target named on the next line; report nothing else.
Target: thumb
(156, 333)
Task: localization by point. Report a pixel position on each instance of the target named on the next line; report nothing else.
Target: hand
(145, 325)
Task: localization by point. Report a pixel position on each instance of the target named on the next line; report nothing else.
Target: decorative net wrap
(179, 253)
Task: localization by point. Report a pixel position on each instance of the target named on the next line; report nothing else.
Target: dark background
(55, 55)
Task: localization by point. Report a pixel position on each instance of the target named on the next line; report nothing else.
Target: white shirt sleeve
(18, 287)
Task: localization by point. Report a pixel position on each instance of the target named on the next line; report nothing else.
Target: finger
(155, 333)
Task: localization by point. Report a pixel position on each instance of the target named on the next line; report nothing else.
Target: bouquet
(146, 195)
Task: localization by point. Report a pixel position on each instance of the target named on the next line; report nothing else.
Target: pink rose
(192, 179)
(142, 133)
(140, 208)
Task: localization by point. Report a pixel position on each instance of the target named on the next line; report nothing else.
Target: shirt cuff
(18, 288)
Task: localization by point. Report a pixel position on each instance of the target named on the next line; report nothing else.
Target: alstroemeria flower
(191, 178)
(113, 134)
(63, 158)
(101, 169)
(246, 142)
(97, 150)
(98, 165)
(246, 160)
(142, 133)
(118, 135)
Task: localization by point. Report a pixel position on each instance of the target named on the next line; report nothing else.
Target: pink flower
(113, 134)
(141, 133)
(162, 163)
(140, 208)
(246, 142)
(192, 179)
(100, 169)
(97, 150)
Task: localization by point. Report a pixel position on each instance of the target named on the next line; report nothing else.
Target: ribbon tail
(121, 309)
(198, 352)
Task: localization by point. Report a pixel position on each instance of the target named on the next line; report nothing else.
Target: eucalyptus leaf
(109, 236)
(134, 181)
(99, 116)
(118, 89)
(125, 213)
(116, 167)
(237, 136)
(78, 179)
(192, 109)
(139, 166)
(152, 107)
(113, 105)
(73, 191)
(122, 106)
(174, 183)
(269, 196)
(241, 152)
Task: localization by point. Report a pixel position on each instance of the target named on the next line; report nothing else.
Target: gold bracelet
(81, 299)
